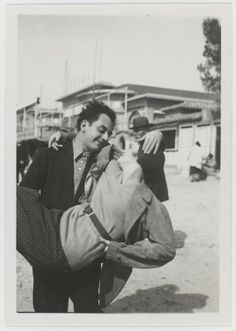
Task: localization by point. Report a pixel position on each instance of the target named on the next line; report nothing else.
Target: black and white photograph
(121, 167)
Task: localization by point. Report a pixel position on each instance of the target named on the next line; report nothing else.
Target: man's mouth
(100, 143)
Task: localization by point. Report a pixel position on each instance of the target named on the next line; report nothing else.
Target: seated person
(210, 162)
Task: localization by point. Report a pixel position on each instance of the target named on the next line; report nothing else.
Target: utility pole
(35, 120)
(24, 121)
(66, 78)
(94, 70)
(100, 64)
(125, 110)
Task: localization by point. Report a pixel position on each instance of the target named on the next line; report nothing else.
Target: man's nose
(105, 136)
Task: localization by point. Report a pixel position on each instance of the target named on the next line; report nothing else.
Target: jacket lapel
(67, 170)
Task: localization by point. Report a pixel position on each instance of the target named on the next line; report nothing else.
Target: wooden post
(125, 110)
(35, 121)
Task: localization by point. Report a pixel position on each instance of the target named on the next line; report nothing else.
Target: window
(169, 138)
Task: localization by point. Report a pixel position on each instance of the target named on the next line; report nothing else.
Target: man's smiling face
(96, 134)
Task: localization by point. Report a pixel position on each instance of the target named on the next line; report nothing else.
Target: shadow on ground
(180, 237)
(162, 299)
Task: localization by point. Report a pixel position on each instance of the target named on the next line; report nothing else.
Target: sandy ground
(187, 284)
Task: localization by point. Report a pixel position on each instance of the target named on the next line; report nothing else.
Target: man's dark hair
(198, 144)
(93, 110)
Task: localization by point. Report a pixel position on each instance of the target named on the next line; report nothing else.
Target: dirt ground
(187, 284)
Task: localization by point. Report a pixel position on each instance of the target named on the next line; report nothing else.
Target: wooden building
(184, 117)
(36, 122)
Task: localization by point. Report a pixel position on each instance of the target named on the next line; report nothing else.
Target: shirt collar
(78, 150)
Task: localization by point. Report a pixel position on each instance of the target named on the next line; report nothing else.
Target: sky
(161, 51)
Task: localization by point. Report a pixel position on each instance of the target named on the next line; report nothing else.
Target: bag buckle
(88, 210)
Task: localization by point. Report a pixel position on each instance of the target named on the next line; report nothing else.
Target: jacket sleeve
(36, 174)
(157, 249)
(151, 162)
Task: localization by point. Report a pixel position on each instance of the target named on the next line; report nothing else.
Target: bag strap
(98, 225)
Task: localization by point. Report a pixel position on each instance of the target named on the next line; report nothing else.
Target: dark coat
(153, 169)
(52, 172)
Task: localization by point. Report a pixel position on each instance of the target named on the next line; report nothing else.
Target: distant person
(209, 166)
(195, 161)
(210, 162)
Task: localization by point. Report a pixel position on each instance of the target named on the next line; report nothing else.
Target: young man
(60, 176)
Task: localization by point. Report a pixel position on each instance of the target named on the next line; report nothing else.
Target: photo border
(223, 11)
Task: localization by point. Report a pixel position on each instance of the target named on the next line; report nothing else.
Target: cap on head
(140, 123)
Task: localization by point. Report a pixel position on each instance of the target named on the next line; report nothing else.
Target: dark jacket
(153, 169)
(52, 172)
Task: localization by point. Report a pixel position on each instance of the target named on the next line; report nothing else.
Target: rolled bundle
(52, 240)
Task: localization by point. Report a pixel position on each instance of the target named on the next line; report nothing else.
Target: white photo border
(223, 11)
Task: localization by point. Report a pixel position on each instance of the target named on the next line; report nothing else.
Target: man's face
(96, 135)
(134, 145)
(139, 134)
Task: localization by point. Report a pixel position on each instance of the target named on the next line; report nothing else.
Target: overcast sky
(158, 51)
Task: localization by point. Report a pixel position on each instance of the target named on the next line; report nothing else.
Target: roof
(160, 96)
(177, 118)
(49, 111)
(99, 85)
(143, 89)
(26, 105)
(102, 93)
(191, 104)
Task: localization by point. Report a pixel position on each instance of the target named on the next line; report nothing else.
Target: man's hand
(106, 243)
(54, 140)
(152, 141)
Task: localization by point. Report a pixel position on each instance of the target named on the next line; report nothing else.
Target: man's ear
(83, 126)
